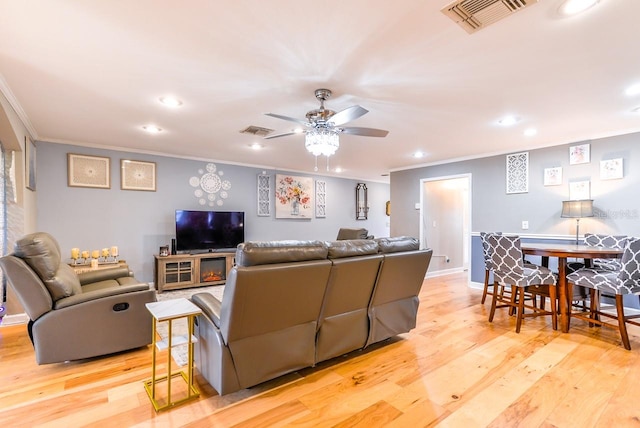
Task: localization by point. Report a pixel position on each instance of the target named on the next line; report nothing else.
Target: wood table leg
(562, 294)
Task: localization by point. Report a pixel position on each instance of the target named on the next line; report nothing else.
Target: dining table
(563, 251)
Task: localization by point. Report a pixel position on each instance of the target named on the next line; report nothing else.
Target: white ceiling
(91, 73)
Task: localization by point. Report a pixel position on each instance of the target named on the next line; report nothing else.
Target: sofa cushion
(397, 244)
(351, 248)
(42, 253)
(267, 252)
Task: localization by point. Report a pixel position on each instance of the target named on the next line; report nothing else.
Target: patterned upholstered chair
(526, 281)
(626, 280)
(488, 267)
(580, 294)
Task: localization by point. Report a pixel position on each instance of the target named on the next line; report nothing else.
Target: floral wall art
(294, 197)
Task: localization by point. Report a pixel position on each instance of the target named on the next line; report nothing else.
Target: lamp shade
(577, 209)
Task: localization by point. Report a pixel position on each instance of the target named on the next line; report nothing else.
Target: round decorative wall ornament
(208, 184)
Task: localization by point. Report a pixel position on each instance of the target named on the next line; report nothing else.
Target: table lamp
(577, 209)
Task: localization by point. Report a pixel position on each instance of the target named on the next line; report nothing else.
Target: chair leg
(520, 309)
(552, 303)
(621, 322)
(494, 300)
(514, 298)
(486, 286)
(593, 305)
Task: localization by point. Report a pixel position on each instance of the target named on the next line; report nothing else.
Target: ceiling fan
(323, 126)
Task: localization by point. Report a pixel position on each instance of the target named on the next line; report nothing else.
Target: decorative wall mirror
(362, 205)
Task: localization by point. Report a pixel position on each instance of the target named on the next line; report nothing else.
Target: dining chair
(527, 281)
(625, 280)
(488, 266)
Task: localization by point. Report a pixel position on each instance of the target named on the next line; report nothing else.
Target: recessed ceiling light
(530, 132)
(338, 170)
(574, 7)
(152, 129)
(508, 120)
(298, 130)
(256, 146)
(418, 154)
(170, 101)
(633, 90)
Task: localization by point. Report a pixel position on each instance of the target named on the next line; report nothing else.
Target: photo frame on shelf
(553, 176)
(137, 175)
(579, 190)
(580, 154)
(30, 163)
(611, 169)
(88, 171)
(517, 173)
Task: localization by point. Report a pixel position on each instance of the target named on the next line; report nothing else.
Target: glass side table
(169, 311)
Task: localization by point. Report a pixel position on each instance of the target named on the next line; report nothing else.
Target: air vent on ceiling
(474, 15)
(257, 130)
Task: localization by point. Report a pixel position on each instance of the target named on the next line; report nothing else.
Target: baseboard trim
(444, 272)
(14, 319)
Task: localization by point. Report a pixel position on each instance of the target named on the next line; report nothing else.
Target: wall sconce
(362, 205)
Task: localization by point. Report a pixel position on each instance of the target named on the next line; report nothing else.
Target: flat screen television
(208, 230)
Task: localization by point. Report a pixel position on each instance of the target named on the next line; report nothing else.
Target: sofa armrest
(210, 306)
(99, 294)
(103, 274)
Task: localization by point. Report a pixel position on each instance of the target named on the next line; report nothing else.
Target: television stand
(191, 270)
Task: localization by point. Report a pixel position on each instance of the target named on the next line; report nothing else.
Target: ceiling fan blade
(284, 134)
(347, 115)
(290, 119)
(366, 132)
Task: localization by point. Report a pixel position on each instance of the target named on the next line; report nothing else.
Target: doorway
(445, 222)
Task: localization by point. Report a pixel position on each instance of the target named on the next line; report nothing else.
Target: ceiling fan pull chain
(316, 167)
(327, 163)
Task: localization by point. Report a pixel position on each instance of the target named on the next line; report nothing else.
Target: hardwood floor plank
(454, 369)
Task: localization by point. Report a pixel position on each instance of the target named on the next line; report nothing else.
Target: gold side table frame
(169, 311)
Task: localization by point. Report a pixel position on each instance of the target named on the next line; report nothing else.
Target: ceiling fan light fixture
(322, 142)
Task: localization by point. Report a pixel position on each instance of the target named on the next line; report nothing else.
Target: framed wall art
(137, 175)
(264, 195)
(579, 190)
(579, 154)
(30, 163)
(294, 197)
(611, 169)
(553, 176)
(88, 171)
(518, 173)
(321, 198)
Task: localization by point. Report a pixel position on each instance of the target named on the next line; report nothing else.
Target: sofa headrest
(397, 244)
(42, 253)
(352, 247)
(267, 252)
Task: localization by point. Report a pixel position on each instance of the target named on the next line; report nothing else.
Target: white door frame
(466, 245)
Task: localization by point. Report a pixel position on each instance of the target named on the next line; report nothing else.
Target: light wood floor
(455, 370)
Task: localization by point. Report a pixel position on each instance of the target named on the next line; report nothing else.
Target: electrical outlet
(525, 225)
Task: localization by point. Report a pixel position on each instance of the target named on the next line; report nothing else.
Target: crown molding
(17, 108)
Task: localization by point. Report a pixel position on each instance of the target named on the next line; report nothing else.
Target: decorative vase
(295, 207)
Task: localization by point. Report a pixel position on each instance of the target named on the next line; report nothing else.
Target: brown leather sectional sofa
(288, 305)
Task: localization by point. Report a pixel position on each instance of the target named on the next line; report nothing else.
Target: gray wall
(140, 222)
(616, 202)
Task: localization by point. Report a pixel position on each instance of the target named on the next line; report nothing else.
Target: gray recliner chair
(349, 233)
(73, 316)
